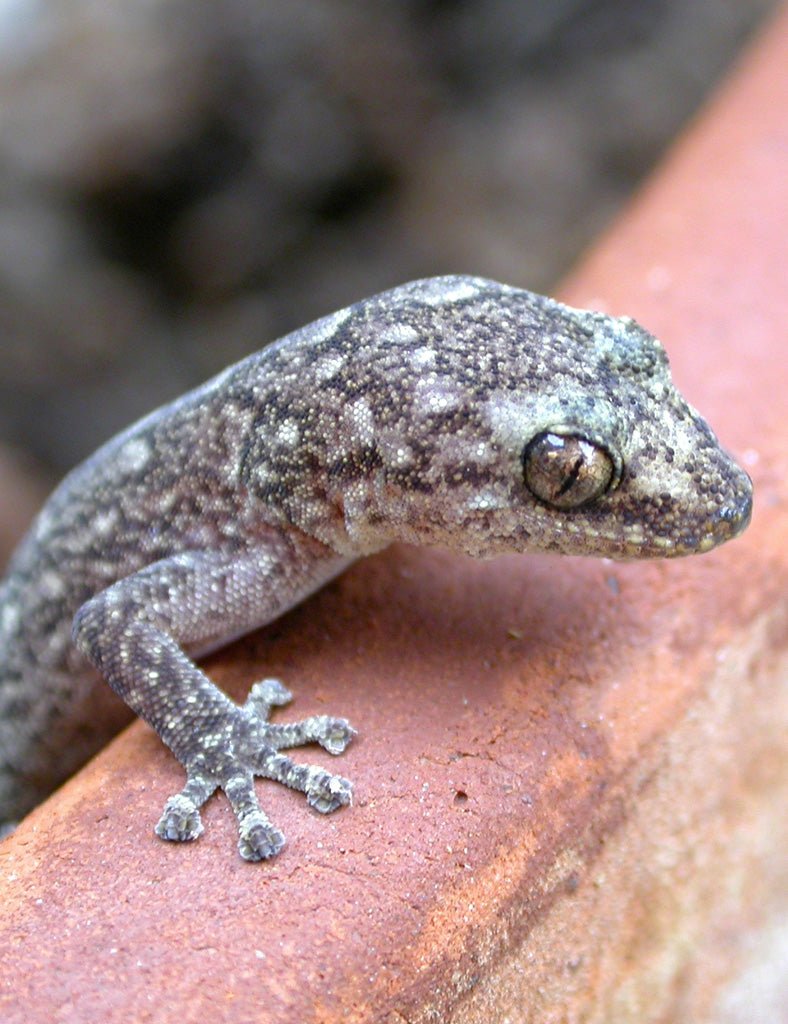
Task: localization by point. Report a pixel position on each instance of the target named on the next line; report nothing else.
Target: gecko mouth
(699, 535)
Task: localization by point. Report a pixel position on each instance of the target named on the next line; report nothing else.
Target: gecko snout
(737, 515)
(732, 517)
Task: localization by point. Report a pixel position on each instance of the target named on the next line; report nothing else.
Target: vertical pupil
(566, 470)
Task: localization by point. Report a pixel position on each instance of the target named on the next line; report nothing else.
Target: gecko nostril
(735, 517)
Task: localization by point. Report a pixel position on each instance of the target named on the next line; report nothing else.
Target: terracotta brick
(570, 776)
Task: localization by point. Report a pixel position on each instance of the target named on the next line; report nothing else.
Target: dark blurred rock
(180, 182)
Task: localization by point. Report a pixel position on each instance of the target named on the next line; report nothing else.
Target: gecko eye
(566, 470)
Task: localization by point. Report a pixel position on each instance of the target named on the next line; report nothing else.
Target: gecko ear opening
(566, 470)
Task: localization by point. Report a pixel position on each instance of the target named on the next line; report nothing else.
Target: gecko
(451, 411)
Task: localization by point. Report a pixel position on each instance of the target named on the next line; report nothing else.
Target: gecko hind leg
(260, 742)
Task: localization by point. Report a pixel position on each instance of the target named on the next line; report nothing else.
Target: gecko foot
(253, 749)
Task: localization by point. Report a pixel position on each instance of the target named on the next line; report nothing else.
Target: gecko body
(451, 411)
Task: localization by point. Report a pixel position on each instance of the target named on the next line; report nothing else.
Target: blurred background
(182, 182)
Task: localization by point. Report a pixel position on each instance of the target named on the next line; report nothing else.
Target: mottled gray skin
(405, 417)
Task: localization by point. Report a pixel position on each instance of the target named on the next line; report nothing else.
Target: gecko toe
(267, 694)
(335, 735)
(258, 839)
(180, 821)
(327, 792)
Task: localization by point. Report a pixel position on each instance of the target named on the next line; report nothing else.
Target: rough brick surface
(571, 776)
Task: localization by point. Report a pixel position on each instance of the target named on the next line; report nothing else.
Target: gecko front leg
(135, 633)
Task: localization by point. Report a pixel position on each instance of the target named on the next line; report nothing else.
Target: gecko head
(661, 488)
(614, 461)
(555, 429)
